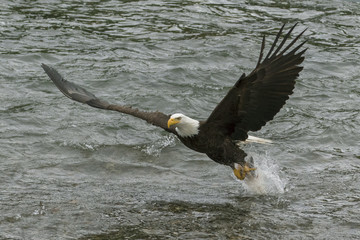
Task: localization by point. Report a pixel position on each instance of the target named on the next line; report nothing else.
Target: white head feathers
(185, 126)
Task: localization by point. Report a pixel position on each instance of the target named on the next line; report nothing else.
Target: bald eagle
(249, 104)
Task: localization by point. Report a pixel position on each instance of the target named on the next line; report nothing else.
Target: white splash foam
(155, 148)
(267, 180)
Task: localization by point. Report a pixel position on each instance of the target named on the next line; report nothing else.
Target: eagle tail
(252, 139)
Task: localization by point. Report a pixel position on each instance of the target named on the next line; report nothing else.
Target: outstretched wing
(255, 99)
(79, 94)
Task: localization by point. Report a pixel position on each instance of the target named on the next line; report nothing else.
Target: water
(68, 171)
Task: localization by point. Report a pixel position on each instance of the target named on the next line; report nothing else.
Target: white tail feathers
(252, 139)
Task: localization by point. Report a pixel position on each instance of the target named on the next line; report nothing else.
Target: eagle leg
(241, 171)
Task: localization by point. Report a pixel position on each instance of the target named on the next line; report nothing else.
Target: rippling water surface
(68, 171)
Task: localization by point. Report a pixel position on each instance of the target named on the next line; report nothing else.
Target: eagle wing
(255, 99)
(79, 94)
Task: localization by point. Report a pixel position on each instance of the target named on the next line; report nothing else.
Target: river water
(69, 171)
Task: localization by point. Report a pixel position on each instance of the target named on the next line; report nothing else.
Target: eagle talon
(241, 171)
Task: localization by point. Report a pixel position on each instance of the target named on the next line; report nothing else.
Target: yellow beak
(172, 121)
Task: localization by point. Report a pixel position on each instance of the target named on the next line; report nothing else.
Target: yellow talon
(241, 171)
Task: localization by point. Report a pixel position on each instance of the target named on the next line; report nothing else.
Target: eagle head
(185, 126)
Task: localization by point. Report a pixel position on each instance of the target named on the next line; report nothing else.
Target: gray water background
(68, 171)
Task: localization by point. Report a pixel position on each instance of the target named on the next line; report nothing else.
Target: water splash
(41, 210)
(155, 148)
(267, 180)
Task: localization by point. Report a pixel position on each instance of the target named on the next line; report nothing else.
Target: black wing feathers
(79, 94)
(73, 91)
(255, 99)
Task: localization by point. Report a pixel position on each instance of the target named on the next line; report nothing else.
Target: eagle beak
(172, 121)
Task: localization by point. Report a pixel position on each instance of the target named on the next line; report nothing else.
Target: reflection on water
(71, 172)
